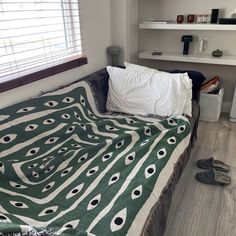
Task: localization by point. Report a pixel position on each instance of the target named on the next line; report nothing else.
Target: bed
(69, 168)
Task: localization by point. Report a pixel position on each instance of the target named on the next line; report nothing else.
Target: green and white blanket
(65, 169)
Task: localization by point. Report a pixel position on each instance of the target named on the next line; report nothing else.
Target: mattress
(65, 169)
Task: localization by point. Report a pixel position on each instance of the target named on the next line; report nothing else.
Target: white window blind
(37, 34)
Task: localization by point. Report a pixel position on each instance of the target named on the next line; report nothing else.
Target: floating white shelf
(205, 59)
(174, 26)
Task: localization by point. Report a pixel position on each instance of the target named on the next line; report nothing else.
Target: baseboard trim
(232, 119)
(226, 107)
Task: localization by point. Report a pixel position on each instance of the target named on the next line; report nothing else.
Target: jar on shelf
(199, 18)
(204, 18)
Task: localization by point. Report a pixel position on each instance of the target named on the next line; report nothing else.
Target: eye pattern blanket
(65, 169)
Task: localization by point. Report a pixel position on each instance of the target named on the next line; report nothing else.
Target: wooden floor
(203, 210)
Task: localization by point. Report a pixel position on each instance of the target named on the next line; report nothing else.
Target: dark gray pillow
(98, 83)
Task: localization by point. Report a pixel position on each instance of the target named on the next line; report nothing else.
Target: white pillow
(135, 67)
(188, 105)
(147, 92)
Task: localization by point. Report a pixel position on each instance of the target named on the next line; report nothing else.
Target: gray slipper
(211, 163)
(213, 177)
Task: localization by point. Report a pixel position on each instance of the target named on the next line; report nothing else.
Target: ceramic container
(217, 53)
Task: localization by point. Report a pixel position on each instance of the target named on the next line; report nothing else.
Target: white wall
(132, 30)
(118, 26)
(124, 31)
(115, 22)
(96, 33)
(169, 40)
(169, 9)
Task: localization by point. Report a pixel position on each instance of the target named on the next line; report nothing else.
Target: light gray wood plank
(199, 209)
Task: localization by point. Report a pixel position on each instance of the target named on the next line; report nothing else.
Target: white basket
(211, 105)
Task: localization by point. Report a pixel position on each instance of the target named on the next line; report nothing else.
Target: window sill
(29, 78)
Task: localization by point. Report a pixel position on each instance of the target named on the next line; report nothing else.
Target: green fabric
(66, 169)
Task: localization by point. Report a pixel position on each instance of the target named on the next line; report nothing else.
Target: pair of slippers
(215, 174)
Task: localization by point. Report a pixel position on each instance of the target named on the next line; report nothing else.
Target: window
(38, 38)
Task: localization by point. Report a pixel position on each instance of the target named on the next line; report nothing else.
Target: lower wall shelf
(194, 58)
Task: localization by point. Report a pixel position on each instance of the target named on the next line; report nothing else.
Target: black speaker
(186, 39)
(214, 16)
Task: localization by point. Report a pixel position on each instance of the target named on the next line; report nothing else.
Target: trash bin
(211, 105)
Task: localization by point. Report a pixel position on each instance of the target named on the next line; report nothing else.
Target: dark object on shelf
(217, 53)
(227, 21)
(180, 19)
(157, 53)
(186, 39)
(113, 55)
(191, 18)
(214, 16)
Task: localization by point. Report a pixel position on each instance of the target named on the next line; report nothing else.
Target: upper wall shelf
(206, 59)
(173, 26)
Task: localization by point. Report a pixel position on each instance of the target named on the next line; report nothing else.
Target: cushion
(196, 77)
(197, 80)
(130, 66)
(99, 85)
(148, 92)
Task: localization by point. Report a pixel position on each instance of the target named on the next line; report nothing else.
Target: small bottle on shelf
(205, 44)
(199, 18)
(201, 45)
